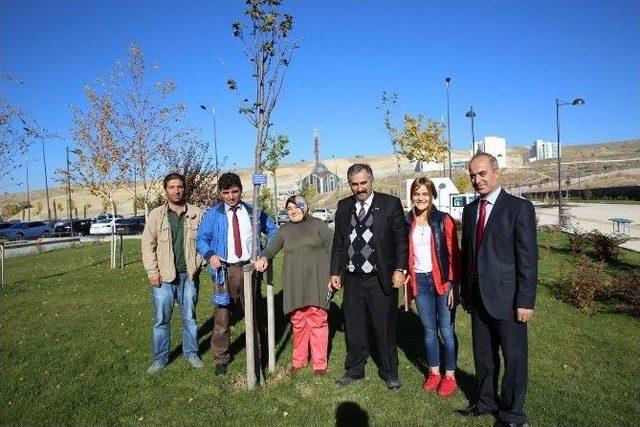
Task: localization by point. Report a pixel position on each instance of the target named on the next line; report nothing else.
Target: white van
(458, 202)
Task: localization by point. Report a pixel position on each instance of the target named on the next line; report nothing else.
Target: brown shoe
(319, 372)
(294, 370)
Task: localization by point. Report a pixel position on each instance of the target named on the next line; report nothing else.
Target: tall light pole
(44, 162)
(26, 164)
(447, 81)
(215, 137)
(69, 189)
(577, 101)
(471, 114)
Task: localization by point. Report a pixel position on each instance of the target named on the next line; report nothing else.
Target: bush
(578, 241)
(624, 292)
(580, 282)
(607, 246)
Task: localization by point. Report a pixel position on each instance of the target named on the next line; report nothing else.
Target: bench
(620, 225)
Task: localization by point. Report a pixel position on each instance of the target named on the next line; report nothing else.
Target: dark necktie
(361, 212)
(480, 225)
(237, 244)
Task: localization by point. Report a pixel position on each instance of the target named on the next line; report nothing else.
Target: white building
(495, 146)
(541, 150)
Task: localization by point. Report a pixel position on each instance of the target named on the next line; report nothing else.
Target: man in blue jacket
(224, 240)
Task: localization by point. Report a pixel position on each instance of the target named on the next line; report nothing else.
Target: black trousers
(491, 335)
(365, 304)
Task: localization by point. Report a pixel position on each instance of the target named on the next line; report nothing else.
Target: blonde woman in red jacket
(434, 269)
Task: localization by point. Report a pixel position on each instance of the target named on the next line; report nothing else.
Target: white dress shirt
(491, 200)
(367, 204)
(246, 234)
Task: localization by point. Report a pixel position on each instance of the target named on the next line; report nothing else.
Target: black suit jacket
(389, 234)
(507, 258)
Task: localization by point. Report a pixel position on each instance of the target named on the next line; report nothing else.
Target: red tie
(237, 244)
(480, 224)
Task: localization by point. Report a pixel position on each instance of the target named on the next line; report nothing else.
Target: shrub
(607, 246)
(580, 282)
(624, 292)
(578, 240)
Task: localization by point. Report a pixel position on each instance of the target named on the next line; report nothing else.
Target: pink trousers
(310, 329)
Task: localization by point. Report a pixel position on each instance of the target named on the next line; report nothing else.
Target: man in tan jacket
(173, 265)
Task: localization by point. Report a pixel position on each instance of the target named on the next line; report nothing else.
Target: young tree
(265, 44)
(15, 136)
(101, 164)
(422, 142)
(389, 100)
(276, 151)
(146, 122)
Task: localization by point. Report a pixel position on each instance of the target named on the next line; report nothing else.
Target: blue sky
(509, 59)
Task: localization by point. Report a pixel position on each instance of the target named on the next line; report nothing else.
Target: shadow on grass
(352, 415)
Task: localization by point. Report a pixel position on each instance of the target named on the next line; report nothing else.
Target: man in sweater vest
(369, 256)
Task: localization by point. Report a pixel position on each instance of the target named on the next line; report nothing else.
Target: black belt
(363, 276)
(237, 264)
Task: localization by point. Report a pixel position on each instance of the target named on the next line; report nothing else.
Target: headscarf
(300, 202)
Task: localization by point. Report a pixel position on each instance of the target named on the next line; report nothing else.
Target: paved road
(589, 216)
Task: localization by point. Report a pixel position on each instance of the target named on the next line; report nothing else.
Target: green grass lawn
(75, 345)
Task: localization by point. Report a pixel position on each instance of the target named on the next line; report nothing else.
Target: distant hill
(587, 166)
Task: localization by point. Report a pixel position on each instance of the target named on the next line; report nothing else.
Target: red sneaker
(432, 382)
(448, 386)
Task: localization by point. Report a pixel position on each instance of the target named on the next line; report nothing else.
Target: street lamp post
(447, 81)
(215, 137)
(26, 163)
(471, 114)
(44, 161)
(577, 101)
(46, 180)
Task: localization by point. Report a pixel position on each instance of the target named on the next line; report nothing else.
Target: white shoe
(155, 368)
(195, 361)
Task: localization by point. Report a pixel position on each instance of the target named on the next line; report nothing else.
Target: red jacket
(451, 239)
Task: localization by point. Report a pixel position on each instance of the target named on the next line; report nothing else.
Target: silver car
(26, 230)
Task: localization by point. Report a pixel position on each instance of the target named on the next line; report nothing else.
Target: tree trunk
(275, 196)
(113, 236)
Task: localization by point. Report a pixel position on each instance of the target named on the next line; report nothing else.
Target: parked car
(7, 224)
(282, 217)
(326, 215)
(103, 226)
(107, 216)
(133, 225)
(26, 230)
(81, 227)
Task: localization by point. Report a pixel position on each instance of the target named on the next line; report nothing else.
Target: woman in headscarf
(305, 273)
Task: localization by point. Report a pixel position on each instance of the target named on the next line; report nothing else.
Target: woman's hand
(452, 296)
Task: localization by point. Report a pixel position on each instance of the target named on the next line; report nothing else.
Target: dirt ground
(589, 216)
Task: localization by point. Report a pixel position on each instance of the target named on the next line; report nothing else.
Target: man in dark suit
(499, 279)
(369, 256)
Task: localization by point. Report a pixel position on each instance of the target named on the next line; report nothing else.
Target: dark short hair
(492, 160)
(172, 176)
(228, 180)
(357, 168)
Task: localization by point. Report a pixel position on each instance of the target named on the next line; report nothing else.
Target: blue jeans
(436, 316)
(185, 291)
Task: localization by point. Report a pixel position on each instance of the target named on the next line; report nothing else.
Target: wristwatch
(402, 271)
